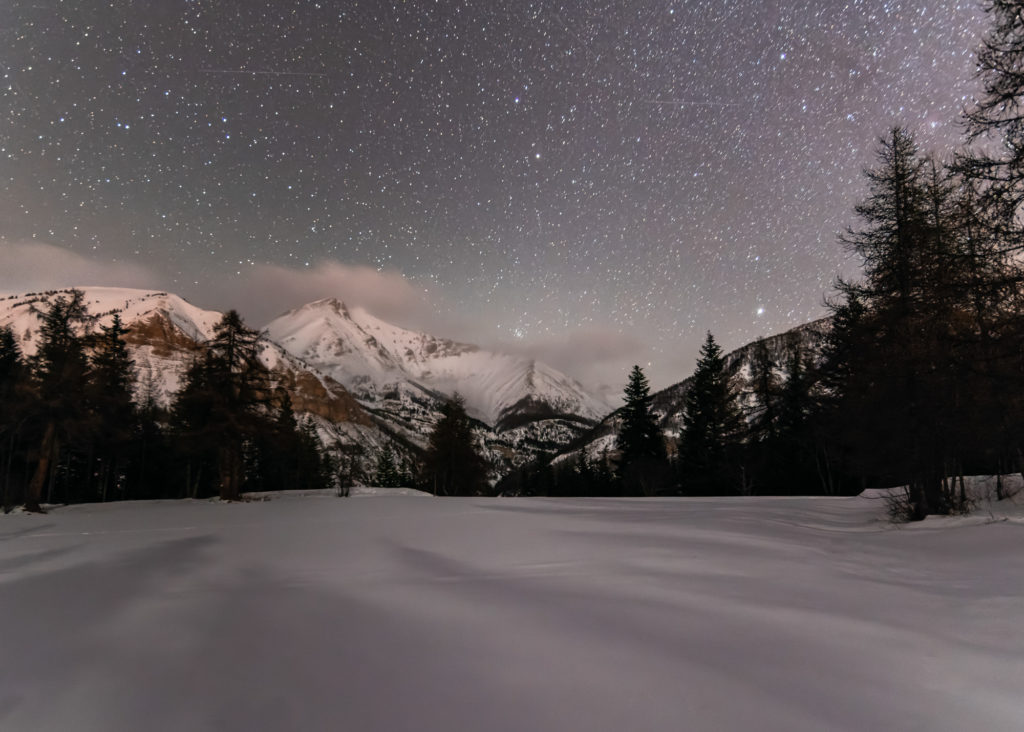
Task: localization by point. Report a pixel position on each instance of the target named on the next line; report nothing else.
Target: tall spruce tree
(799, 445)
(112, 379)
(900, 370)
(193, 430)
(240, 384)
(387, 473)
(60, 371)
(451, 465)
(15, 405)
(991, 296)
(286, 451)
(764, 462)
(712, 428)
(994, 169)
(11, 364)
(642, 462)
(995, 120)
(223, 407)
(765, 387)
(153, 463)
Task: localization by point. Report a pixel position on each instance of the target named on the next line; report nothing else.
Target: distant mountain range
(668, 404)
(365, 382)
(376, 360)
(368, 384)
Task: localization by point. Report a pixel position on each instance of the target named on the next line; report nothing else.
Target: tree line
(74, 428)
(918, 381)
(77, 424)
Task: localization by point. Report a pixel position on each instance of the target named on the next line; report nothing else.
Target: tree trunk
(823, 465)
(104, 480)
(35, 487)
(228, 466)
(193, 491)
(90, 473)
(53, 475)
(1020, 462)
(7, 474)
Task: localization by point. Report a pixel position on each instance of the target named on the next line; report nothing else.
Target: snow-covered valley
(402, 613)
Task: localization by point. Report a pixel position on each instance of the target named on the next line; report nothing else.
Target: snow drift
(321, 613)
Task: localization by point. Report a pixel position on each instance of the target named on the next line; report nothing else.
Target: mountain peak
(329, 304)
(371, 357)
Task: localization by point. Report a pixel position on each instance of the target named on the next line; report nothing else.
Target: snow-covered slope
(669, 403)
(138, 307)
(163, 327)
(164, 333)
(375, 359)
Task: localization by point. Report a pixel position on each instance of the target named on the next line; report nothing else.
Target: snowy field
(411, 613)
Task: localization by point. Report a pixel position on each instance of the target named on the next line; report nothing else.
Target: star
(511, 156)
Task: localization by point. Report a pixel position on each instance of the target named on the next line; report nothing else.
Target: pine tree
(387, 474)
(288, 453)
(314, 469)
(61, 375)
(639, 436)
(899, 369)
(452, 466)
(712, 427)
(763, 465)
(222, 408)
(153, 460)
(11, 364)
(764, 416)
(836, 380)
(607, 483)
(795, 397)
(113, 369)
(15, 405)
(194, 431)
(642, 461)
(240, 384)
(795, 443)
(995, 120)
(892, 243)
(992, 234)
(112, 379)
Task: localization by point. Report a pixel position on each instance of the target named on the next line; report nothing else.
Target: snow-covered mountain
(164, 333)
(377, 361)
(668, 404)
(399, 379)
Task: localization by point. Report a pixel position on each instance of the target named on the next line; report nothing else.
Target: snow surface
(320, 613)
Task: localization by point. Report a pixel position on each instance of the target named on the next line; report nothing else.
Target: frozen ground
(407, 613)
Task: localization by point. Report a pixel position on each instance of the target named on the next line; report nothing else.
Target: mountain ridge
(390, 404)
(668, 404)
(370, 356)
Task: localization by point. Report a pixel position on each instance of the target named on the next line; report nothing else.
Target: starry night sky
(639, 171)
